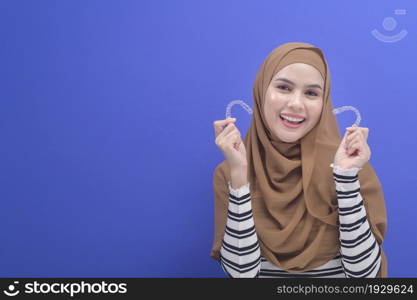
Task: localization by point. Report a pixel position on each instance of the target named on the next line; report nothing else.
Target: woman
(294, 199)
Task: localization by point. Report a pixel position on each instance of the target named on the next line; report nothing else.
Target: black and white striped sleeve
(361, 253)
(240, 252)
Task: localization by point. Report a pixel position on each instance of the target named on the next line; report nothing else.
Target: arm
(361, 253)
(240, 252)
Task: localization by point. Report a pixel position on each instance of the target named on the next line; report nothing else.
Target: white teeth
(292, 119)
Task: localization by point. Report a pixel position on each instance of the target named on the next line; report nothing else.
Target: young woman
(294, 199)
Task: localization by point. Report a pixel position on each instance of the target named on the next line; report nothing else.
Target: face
(294, 100)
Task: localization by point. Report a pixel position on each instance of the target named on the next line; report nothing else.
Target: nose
(296, 102)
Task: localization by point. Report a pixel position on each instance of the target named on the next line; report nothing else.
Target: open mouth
(291, 122)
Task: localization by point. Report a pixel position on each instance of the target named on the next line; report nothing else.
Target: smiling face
(293, 101)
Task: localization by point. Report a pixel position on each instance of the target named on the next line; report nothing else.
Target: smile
(291, 122)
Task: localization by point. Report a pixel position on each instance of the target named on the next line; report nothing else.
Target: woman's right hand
(228, 139)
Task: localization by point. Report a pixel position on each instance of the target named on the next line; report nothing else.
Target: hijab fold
(293, 193)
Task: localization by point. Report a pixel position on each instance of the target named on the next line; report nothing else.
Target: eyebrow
(289, 81)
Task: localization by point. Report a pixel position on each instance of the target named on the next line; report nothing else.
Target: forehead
(300, 73)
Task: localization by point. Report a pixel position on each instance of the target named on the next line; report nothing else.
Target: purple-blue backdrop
(106, 109)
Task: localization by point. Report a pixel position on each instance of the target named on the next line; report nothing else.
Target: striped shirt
(359, 253)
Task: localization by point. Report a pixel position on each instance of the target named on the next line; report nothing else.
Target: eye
(312, 93)
(283, 87)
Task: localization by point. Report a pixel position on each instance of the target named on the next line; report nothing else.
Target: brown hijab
(294, 202)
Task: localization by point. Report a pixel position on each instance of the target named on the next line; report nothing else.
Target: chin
(289, 139)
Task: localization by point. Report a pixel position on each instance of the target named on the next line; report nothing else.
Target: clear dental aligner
(241, 102)
(336, 111)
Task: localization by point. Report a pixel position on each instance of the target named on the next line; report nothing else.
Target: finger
(352, 128)
(357, 139)
(344, 139)
(220, 125)
(362, 130)
(233, 132)
(356, 145)
(365, 132)
(232, 138)
(351, 138)
(229, 128)
(354, 151)
(361, 134)
(350, 131)
(353, 135)
(355, 128)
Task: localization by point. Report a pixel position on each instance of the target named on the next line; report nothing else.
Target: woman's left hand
(353, 151)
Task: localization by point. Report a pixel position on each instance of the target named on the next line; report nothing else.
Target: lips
(291, 124)
(292, 115)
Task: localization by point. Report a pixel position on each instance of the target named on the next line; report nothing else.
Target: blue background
(106, 123)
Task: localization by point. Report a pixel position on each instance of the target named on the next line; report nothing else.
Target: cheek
(277, 101)
(273, 96)
(272, 103)
(314, 113)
